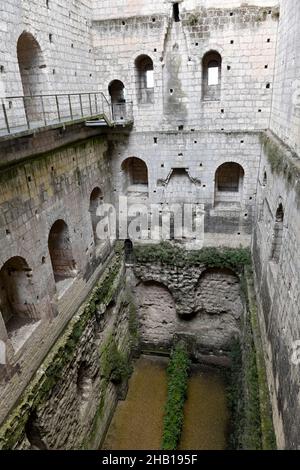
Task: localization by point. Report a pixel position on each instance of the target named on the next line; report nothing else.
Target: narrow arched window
(211, 76)
(278, 234)
(96, 200)
(144, 74)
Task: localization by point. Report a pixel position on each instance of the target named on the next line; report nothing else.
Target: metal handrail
(35, 111)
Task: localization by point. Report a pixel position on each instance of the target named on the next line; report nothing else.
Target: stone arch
(34, 433)
(17, 301)
(96, 200)
(134, 177)
(60, 250)
(211, 76)
(156, 312)
(218, 292)
(116, 90)
(229, 182)
(144, 79)
(33, 78)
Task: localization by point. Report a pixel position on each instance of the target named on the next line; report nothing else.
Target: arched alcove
(116, 91)
(60, 249)
(229, 180)
(218, 292)
(96, 200)
(134, 177)
(32, 72)
(17, 301)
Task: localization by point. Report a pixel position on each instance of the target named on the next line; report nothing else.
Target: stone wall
(197, 155)
(205, 305)
(68, 64)
(177, 49)
(34, 195)
(71, 397)
(285, 119)
(278, 283)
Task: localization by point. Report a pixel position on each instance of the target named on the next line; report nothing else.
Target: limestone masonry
(189, 102)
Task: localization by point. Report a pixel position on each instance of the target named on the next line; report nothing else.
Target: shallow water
(206, 417)
(138, 421)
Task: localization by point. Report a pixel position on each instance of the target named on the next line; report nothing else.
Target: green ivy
(168, 254)
(177, 372)
(115, 364)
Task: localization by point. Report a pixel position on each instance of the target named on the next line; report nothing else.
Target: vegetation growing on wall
(177, 372)
(115, 363)
(249, 402)
(39, 390)
(168, 254)
(282, 161)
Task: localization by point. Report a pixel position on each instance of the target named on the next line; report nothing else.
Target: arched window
(265, 179)
(135, 177)
(31, 66)
(278, 233)
(117, 94)
(60, 249)
(144, 79)
(96, 200)
(17, 304)
(229, 183)
(211, 76)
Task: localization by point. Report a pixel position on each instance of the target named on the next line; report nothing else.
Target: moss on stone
(13, 429)
(248, 394)
(282, 161)
(168, 254)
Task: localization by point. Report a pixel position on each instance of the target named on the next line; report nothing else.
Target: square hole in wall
(268, 40)
(180, 128)
(232, 41)
(228, 67)
(155, 140)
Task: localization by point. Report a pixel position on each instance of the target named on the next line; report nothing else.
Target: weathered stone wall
(102, 9)
(204, 305)
(70, 399)
(68, 64)
(277, 283)
(34, 195)
(177, 49)
(285, 118)
(198, 155)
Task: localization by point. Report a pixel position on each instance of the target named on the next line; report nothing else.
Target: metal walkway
(26, 114)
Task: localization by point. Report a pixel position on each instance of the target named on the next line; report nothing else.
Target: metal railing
(21, 113)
